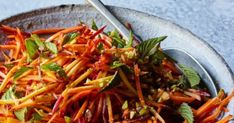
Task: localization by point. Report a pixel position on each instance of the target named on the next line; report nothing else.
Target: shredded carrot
(82, 110)
(71, 77)
(109, 107)
(225, 119)
(75, 28)
(138, 86)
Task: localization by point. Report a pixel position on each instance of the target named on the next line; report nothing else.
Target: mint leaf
(31, 48)
(148, 47)
(191, 75)
(70, 37)
(51, 47)
(38, 41)
(9, 94)
(94, 25)
(20, 114)
(186, 112)
(19, 72)
(55, 67)
(149, 51)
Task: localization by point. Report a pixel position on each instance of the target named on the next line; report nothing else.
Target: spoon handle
(111, 18)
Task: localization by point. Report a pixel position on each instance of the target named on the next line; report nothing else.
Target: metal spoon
(179, 55)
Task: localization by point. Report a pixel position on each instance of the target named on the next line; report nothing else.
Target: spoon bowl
(182, 57)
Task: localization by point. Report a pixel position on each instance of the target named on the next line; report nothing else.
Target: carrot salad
(83, 74)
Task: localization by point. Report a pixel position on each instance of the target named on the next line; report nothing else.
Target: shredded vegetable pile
(82, 74)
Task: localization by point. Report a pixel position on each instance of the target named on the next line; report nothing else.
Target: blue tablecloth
(212, 20)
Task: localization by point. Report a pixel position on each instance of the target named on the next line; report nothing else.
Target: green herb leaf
(182, 82)
(38, 41)
(145, 47)
(191, 75)
(31, 48)
(125, 105)
(94, 25)
(19, 72)
(115, 81)
(116, 64)
(9, 66)
(186, 112)
(117, 40)
(9, 94)
(149, 49)
(70, 37)
(51, 47)
(56, 68)
(130, 42)
(20, 114)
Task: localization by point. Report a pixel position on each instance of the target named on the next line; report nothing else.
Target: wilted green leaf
(191, 75)
(31, 48)
(55, 67)
(51, 47)
(19, 72)
(20, 114)
(186, 112)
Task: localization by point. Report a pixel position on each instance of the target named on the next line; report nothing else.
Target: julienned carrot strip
(76, 68)
(98, 32)
(218, 110)
(109, 108)
(47, 31)
(74, 98)
(7, 28)
(225, 119)
(81, 88)
(17, 49)
(2, 75)
(138, 85)
(20, 38)
(6, 79)
(7, 47)
(206, 106)
(71, 65)
(81, 110)
(75, 47)
(27, 103)
(181, 99)
(37, 92)
(36, 78)
(81, 78)
(43, 108)
(98, 110)
(126, 82)
(119, 98)
(67, 30)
